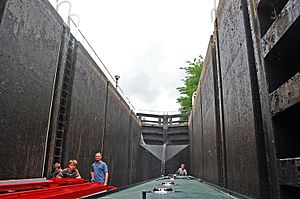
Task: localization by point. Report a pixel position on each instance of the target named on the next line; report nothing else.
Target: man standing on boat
(99, 170)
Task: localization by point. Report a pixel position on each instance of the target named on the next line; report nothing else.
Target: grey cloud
(144, 81)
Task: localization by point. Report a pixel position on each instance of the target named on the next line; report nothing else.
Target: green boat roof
(183, 188)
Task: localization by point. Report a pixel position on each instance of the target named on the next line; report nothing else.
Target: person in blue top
(99, 170)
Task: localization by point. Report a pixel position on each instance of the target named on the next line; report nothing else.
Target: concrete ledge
(160, 125)
(286, 95)
(150, 121)
(153, 138)
(173, 138)
(289, 14)
(152, 125)
(151, 133)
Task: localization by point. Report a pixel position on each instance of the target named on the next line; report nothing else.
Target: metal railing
(159, 112)
(88, 47)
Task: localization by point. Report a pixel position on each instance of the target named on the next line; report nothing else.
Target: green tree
(191, 80)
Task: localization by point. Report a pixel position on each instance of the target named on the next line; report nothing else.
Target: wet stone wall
(149, 165)
(209, 123)
(30, 38)
(117, 137)
(56, 104)
(236, 142)
(196, 138)
(246, 111)
(239, 124)
(134, 162)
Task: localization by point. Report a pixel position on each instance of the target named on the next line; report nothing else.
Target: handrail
(93, 50)
(118, 88)
(69, 11)
(110, 76)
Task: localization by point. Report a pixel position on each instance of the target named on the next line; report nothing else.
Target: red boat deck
(67, 188)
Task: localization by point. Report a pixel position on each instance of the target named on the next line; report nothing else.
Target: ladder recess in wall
(280, 29)
(2, 7)
(64, 100)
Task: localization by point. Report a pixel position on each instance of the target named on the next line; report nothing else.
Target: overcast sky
(146, 42)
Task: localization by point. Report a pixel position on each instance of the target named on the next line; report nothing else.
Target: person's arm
(78, 174)
(60, 175)
(106, 178)
(92, 174)
(105, 174)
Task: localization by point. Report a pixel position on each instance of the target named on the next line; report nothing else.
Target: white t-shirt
(181, 172)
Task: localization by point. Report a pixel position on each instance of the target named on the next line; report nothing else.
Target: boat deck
(182, 188)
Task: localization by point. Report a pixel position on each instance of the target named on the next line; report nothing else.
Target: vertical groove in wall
(217, 118)
(221, 109)
(105, 117)
(201, 129)
(193, 151)
(263, 86)
(164, 148)
(259, 134)
(191, 144)
(130, 149)
(2, 8)
(47, 167)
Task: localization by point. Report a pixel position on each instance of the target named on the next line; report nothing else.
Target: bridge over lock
(242, 134)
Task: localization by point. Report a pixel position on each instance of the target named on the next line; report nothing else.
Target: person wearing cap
(57, 169)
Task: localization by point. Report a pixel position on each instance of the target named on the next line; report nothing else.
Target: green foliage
(191, 80)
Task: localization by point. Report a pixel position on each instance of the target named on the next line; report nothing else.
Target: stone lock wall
(243, 124)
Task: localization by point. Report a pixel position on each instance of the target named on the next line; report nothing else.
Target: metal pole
(78, 19)
(144, 196)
